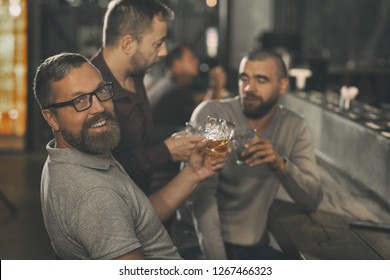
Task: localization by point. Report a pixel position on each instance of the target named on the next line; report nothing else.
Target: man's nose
(248, 86)
(163, 51)
(97, 105)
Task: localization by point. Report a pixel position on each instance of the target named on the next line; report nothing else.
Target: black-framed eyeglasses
(84, 101)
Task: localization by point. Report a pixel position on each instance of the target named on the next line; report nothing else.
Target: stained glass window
(13, 72)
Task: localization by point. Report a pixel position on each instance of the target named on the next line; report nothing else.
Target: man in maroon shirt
(133, 40)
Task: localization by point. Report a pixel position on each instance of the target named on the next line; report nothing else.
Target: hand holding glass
(240, 139)
(218, 133)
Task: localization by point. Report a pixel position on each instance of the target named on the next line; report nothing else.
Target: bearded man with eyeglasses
(91, 207)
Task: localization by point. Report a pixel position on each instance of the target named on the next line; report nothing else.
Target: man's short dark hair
(263, 54)
(51, 70)
(131, 17)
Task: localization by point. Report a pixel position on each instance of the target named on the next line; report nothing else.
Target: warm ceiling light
(211, 3)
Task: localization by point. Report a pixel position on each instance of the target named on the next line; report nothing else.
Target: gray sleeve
(102, 223)
(202, 111)
(300, 178)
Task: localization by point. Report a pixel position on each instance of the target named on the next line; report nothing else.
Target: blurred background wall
(342, 42)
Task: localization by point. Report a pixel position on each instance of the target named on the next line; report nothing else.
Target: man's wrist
(282, 165)
(190, 174)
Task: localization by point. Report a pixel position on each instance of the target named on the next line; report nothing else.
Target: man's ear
(51, 119)
(284, 84)
(128, 44)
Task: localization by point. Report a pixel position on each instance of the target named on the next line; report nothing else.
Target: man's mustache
(104, 115)
(251, 95)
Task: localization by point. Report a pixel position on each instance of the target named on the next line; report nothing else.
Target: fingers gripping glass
(84, 101)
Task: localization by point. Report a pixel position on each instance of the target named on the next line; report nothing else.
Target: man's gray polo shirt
(93, 210)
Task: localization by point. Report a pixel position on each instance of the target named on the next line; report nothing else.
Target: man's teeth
(98, 124)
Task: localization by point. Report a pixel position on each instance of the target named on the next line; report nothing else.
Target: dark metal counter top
(356, 141)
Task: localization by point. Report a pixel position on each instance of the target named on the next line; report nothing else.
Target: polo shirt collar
(75, 157)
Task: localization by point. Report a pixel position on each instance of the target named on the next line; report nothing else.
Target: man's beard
(139, 64)
(101, 143)
(260, 111)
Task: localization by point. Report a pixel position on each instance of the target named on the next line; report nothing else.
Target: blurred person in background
(174, 97)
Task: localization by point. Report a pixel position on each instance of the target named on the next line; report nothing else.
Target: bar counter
(353, 156)
(324, 235)
(356, 141)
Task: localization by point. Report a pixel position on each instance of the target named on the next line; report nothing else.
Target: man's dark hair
(263, 54)
(131, 17)
(51, 70)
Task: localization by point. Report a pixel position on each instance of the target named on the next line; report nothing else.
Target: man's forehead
(79, 79)
(84, 72)
(258, 65)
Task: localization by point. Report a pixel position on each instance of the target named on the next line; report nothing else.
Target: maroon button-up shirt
(134, 115)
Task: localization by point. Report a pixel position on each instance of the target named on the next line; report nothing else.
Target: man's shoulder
(73, 157)
(228, 109)
(290, 120)
(289, 114)
(75, 180)
(218, 108)
(220, 103)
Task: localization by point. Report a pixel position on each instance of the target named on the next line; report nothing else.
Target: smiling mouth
(99, 124)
